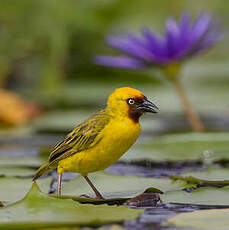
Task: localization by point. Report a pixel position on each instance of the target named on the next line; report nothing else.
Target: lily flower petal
(119, 62)
(182, 39)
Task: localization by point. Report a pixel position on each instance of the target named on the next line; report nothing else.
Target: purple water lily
(181, 40)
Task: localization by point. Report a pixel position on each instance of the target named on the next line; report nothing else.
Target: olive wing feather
(84, 136)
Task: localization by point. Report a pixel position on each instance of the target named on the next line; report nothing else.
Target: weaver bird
(102, 139)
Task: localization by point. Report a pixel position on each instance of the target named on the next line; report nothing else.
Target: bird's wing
(84, 136)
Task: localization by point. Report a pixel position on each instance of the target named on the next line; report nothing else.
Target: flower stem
(193, 117)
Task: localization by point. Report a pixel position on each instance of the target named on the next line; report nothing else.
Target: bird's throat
(134, 115)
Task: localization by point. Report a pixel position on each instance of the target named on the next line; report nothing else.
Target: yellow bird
(102, 139)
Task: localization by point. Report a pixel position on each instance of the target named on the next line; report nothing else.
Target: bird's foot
(88, 197)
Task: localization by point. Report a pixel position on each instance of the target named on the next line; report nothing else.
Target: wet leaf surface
(39, 210)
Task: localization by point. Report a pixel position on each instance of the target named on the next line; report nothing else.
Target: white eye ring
(131, 101)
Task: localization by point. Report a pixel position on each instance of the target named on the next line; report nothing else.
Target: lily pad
(53, 122)
(203, 219)
(112, 186)
(14, 189)
(16, 171)
(210, 173)
(38, 210)
(200, 196)
(210, 177)
(31, 161)
(182, 147)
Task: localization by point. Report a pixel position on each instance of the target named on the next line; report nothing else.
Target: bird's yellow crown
(117, 99)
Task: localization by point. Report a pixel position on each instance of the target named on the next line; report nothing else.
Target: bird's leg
(59, 184)
(97, 193)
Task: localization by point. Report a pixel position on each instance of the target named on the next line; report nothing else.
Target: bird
(102, 139)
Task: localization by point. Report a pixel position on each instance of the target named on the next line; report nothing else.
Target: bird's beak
(147, 106)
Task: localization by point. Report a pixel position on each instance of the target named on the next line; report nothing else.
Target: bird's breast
(118, 137)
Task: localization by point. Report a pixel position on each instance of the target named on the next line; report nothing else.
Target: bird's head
(130, 102)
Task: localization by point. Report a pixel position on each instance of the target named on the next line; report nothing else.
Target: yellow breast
(117, 137)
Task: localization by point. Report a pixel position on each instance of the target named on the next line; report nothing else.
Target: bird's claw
(88, 197)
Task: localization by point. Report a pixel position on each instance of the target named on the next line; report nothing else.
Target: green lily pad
(210, 174)
(210, 194)
(54, 122)
(210, 177)
(200, 196)
(31, 161)
(38, 210)
(16, 171)
(112, 186)
(110, 201)
(190, 180)
(14, 189)
(203, 219)
(182, 147)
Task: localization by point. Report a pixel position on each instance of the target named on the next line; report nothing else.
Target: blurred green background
(47, 50)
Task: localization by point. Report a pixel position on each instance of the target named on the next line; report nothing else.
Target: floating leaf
(38, 210)
(203, 219)
(16, 171)
(182, 147)
(201, 196)
(205, 185)
(149, 192)
(53, 122)
(14, 189)
(210, 177)
(112, 186)
(31, 161)
(210, 174)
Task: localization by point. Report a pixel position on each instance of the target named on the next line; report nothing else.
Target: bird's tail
(41, 171)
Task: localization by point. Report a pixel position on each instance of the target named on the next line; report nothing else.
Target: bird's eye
(130, 101)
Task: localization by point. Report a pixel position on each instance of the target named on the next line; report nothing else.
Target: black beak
(147, 106)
